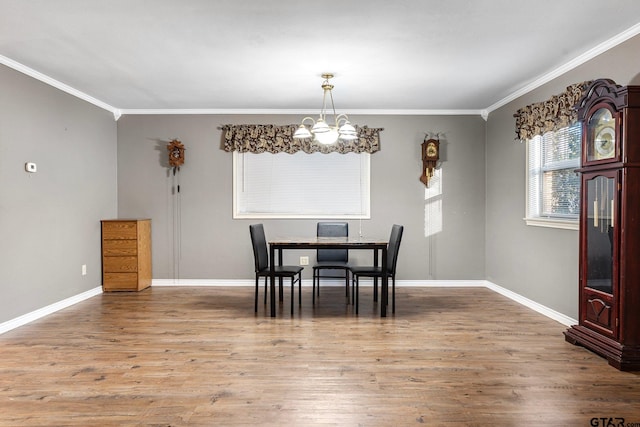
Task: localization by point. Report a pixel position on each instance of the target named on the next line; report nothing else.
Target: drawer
(120, 264)
(119, 247)
(120, 281)
(119, 230)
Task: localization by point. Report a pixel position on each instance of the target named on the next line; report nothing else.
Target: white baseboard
(552, 314)
(441, 283)
(546, 311)
(44, 311)
(325, 282)
(203, 282)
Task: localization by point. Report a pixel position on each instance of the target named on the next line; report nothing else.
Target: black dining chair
(261, 258)
(376, 271)
(331, 259)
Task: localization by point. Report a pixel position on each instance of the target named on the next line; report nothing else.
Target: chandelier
(320, 130)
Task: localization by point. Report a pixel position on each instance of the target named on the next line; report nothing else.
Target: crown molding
(58, 85)
(484, 113)
(372, 112)
(574, 63)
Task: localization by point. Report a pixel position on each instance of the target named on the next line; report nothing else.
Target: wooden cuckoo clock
(430, 156)
(176, 154)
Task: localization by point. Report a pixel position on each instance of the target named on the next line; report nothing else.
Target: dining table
(278, 245)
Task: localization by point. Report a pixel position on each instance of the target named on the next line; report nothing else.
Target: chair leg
(353, 289)
(346, 283)
(300, 289)
(357, 290)
(313, 288)
(375, 289)
(393, 294)
(256, 298)
(265, 290)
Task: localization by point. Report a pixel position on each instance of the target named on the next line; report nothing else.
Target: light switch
(31, 167)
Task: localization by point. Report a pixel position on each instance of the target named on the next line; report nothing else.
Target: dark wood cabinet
(609, 262)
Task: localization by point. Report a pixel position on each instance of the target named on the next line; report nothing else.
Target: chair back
(332, 229)
(394, 247)
(259, 243)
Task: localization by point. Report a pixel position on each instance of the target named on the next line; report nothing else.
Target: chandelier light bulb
(321, 131)
(328, 137)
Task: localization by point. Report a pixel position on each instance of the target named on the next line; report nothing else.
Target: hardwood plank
(200, 356)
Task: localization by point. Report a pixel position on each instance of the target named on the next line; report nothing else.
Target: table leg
(272, 298)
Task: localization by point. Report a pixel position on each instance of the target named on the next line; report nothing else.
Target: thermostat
(31, 167)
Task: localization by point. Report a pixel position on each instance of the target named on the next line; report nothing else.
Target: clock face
(601, 136)
(605, 142)
(431, 150)
(176, 153)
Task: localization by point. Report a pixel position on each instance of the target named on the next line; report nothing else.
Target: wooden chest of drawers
(126, 254)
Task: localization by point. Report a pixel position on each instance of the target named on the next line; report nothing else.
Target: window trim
(541, 221)
(552, 223)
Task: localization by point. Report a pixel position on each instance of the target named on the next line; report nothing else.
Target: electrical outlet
(84, 269)
(304, 260)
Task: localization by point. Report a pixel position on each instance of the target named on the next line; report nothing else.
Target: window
(553, 186)
(301, 185)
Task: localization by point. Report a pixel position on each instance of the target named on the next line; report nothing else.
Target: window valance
(279, 139)
(551, 115)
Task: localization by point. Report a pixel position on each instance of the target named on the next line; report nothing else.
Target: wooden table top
(341, 242)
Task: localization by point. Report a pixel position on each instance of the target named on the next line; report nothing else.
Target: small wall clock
(176, 154)
(430, 157)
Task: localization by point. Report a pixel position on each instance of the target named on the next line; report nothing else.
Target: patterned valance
(551, 115)
(279, 139)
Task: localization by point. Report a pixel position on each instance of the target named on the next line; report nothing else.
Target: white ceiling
(260, 56)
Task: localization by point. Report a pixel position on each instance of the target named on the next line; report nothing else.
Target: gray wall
(212, 245)
(538, 263)
(49, 221)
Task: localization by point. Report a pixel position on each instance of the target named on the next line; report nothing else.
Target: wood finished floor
(200, 356)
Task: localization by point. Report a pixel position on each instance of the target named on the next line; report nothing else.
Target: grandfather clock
(609, 258)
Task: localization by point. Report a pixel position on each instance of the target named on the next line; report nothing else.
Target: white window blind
(301, 185)
(553, 186)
